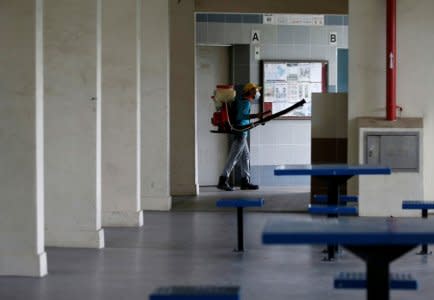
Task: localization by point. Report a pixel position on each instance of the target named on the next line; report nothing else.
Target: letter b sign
(333, 38)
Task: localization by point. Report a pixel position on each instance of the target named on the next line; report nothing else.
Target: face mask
(257, 96)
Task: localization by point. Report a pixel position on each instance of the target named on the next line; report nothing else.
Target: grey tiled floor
(195, 248)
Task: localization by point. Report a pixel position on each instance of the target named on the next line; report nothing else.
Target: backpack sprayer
(224, 96)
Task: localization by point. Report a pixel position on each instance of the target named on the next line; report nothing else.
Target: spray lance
(224, 97)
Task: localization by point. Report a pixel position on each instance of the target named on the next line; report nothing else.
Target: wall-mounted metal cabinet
(397, 150)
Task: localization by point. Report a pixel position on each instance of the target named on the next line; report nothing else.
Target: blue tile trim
(217, 18)
(345, 20)
(334, 20)
(233, 18)
(201, 18)
(254, 19)
(258, 19)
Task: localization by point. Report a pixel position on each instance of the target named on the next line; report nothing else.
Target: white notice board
(287, 82)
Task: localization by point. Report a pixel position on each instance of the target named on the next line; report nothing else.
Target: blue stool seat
(349, 280)
(343, 199)
(196, 293)
(409, 204)
(331, 209)
(241, 202)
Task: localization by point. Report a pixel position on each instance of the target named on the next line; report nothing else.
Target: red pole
(391, 61)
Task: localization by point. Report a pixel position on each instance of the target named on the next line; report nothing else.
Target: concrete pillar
(155, 105)
(182, 100)
(121, 113)
(21, 139)
(73, 123)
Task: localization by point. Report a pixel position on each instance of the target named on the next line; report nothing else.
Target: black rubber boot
(246, 185)
(224, 184)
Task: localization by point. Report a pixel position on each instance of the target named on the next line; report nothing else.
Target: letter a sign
(256, 37)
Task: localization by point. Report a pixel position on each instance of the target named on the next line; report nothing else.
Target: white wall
(281, 142)
(367, 63)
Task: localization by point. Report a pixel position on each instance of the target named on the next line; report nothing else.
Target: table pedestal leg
(332, 199)
(424, 250)
(333, 194)
(377, 279)
(378, 258)
(240, 233)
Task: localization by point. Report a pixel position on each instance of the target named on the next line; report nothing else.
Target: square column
(155, 105)
(73, 123)
(121, 113)
(183, 154)
(21, 139)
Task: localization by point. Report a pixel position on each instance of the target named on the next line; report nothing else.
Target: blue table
(378, 241)
(334, 175)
